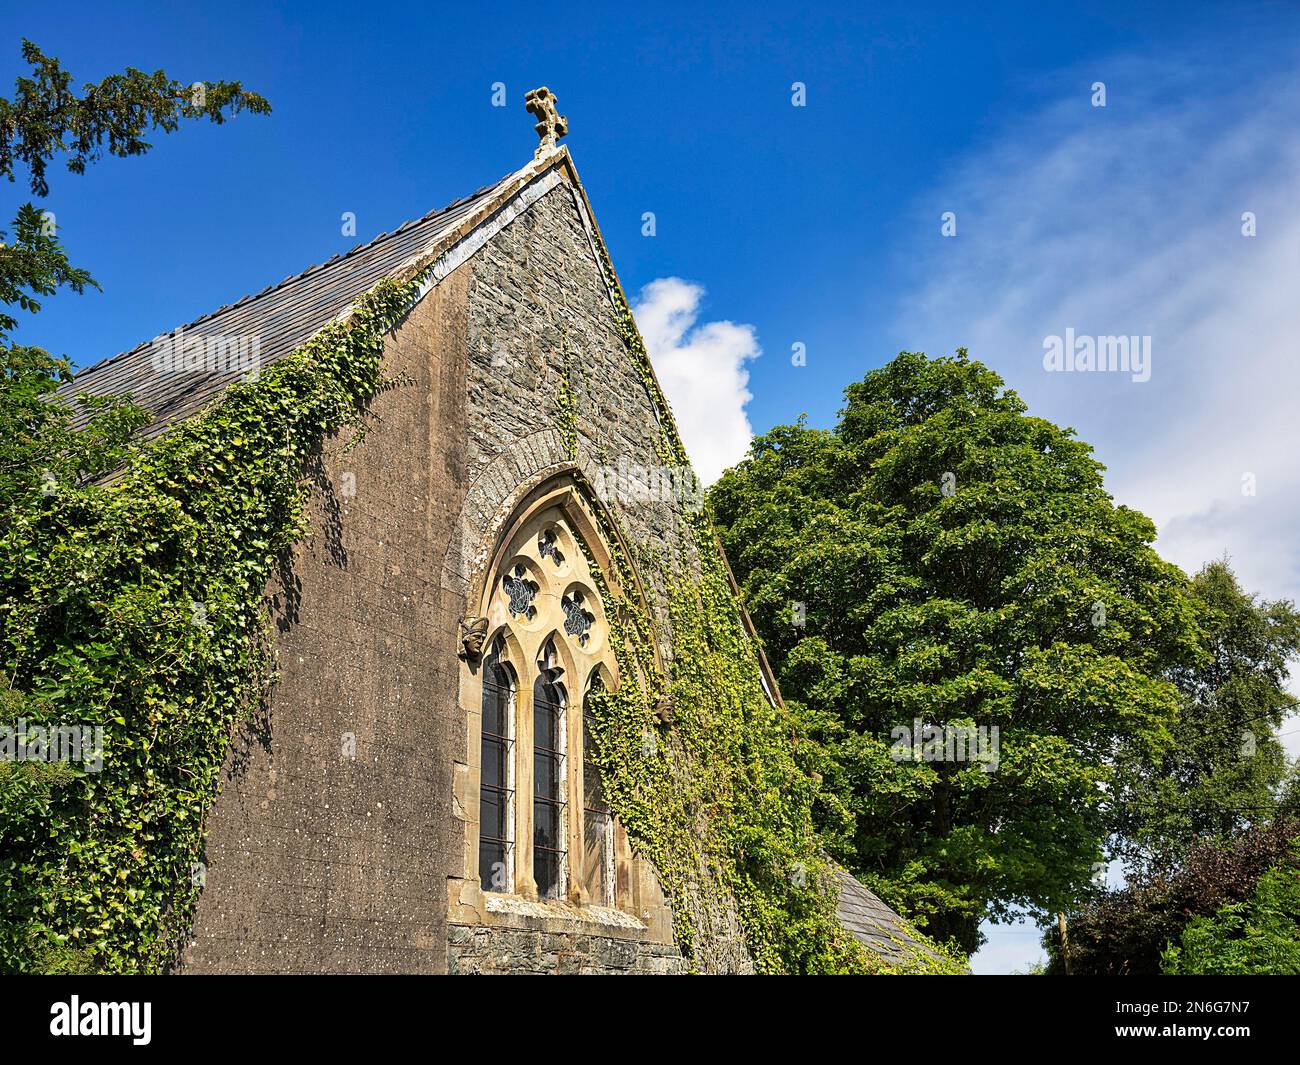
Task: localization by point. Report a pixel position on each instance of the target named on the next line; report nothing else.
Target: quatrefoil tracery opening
(577, 619)
(522, 592)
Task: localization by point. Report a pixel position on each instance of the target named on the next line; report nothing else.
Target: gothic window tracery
(544, 827)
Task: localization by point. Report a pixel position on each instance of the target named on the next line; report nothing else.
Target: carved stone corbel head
(473, 634)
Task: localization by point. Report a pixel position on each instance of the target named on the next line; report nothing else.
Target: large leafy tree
(941, 557)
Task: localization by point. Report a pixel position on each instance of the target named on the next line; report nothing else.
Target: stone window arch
(545, 642)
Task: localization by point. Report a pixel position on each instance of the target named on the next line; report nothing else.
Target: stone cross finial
(551, 125)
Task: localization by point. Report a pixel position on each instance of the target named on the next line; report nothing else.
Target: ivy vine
(139, 606)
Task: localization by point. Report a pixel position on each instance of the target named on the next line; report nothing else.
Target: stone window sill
(560, 916)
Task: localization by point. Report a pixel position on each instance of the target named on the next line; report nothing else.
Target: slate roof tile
(875, 925)
(281, 316)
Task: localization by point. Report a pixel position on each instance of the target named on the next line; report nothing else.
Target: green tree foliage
(942, 557)
(1288, 803)
(1225, 767)
(1257, 937)
(48, 117)
(1125, 932)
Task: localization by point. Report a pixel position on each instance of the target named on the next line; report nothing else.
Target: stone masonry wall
(538, 296)
(489, 951)
(538, 300)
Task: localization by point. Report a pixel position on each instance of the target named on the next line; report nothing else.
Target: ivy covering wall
(138, 605)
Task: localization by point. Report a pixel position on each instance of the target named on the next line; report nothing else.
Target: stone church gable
(311, 863)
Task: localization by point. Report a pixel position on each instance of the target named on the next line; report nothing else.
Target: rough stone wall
(491, 951)
(537, 295)
(538, 300)
(320, 860)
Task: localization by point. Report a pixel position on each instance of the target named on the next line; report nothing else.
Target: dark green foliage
(1225, 766)
(1258, 937)
(1125, 932)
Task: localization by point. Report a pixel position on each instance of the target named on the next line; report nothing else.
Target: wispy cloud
(1128, 220)
(702, 370)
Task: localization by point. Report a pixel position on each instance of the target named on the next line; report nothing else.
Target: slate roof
(875, 925)
(283, 316)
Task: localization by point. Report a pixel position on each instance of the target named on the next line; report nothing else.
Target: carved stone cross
(551, 125)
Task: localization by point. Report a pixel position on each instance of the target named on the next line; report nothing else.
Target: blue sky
(794, 220)
(777, 224)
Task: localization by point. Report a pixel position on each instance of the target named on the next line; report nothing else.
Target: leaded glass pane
(549, 845)
(496, 795)
(577, 619)
(522, 592)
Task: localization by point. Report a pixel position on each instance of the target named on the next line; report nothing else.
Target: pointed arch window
(545, 829)
(550, 842)
(496, 780)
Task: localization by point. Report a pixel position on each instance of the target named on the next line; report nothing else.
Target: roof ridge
(308, 271)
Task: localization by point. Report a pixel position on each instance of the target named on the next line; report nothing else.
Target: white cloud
(702, 371)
